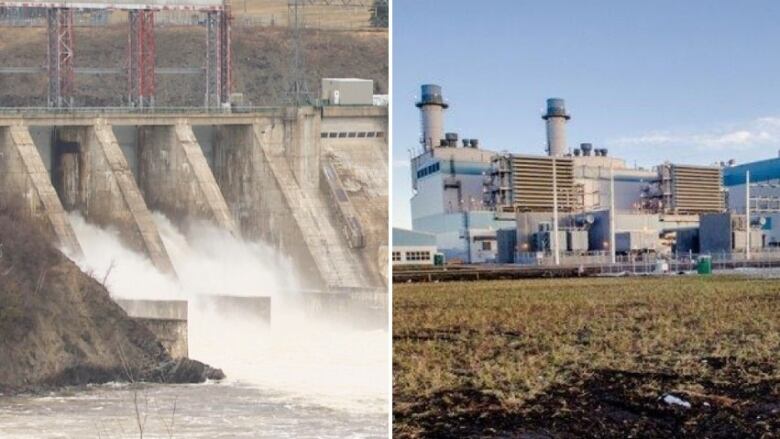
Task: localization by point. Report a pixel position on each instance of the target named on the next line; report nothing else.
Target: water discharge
(298, 358)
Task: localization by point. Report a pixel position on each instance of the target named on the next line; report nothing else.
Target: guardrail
(133, 110)
(38, 110)
(635, 265)
(36, 17)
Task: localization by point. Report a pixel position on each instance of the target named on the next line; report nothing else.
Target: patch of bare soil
(610, 404)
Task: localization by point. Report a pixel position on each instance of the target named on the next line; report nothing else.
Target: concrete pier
(255, 308)
(363, 309)
(166, 319)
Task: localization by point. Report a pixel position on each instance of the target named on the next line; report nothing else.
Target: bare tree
(169, 427)
(108, 271)
(41, 280)
(140, 420)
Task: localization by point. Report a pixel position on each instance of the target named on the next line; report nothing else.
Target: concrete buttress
(108, 194)
(302, 145)
(337, 265)
(25, 182)
(176, 179)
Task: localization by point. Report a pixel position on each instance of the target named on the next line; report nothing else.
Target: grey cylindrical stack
(432, 108)
(556, 118)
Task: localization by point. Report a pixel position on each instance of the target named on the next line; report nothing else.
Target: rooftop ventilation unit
(586, 149)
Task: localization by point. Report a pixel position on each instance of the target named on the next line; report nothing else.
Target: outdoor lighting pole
(556, 243)
(612, 214)
(747, 215)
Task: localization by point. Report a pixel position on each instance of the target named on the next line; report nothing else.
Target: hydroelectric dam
(309, 180)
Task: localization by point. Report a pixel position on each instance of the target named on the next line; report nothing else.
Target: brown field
(587, 358)
(333, 16)
(277, 13)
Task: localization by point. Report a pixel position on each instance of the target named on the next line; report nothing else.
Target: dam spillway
(254, 174)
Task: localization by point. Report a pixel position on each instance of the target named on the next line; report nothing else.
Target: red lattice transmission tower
(140, 66)
(219, 74)
(60, 56)
(141, 59)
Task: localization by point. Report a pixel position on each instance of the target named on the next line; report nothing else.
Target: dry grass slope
(587, 357)
(261, 60)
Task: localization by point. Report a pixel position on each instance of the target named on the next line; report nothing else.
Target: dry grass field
(319, 16)
(277, 13)
(588, 358)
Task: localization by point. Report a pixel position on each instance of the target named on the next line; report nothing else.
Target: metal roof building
(762, 170)
(413, 248)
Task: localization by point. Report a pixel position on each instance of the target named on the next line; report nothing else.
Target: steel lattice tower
(219, 74)
(298, 93)
(141, 60)
(60, 56)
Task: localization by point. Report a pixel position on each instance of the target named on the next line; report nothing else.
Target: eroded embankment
(58, 326)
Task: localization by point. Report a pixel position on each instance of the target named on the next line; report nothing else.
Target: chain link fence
(645, 263)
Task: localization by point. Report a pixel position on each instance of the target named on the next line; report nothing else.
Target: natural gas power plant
(579, 204)
(309, 178)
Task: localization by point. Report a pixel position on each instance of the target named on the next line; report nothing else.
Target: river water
(201, 411)
(297, 378)
(292, 380)
(302, 376)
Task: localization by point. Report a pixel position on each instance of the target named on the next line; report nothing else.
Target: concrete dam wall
(255, 175)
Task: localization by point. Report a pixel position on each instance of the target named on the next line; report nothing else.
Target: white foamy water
(203, 411)
(298, 358)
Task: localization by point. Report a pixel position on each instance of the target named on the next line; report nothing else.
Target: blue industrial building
(764, 195)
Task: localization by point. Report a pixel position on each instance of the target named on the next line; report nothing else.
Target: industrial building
(575, 205)
(413, 248)
(763, 178)
(448, 178)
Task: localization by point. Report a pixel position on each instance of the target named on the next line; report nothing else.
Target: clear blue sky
(691, 81)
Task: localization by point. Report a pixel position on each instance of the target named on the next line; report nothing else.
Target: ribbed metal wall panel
(532, 183)
(696, 189)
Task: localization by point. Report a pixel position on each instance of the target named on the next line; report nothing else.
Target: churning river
(302, 376)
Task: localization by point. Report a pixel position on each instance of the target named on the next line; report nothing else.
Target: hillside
(58, 326)
(261, 59)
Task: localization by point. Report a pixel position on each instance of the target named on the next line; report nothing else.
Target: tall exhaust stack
(432, 108)
(556, 118)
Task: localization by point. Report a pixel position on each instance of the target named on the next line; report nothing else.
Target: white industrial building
(448, 178)
(468, 197)
(413, 248)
